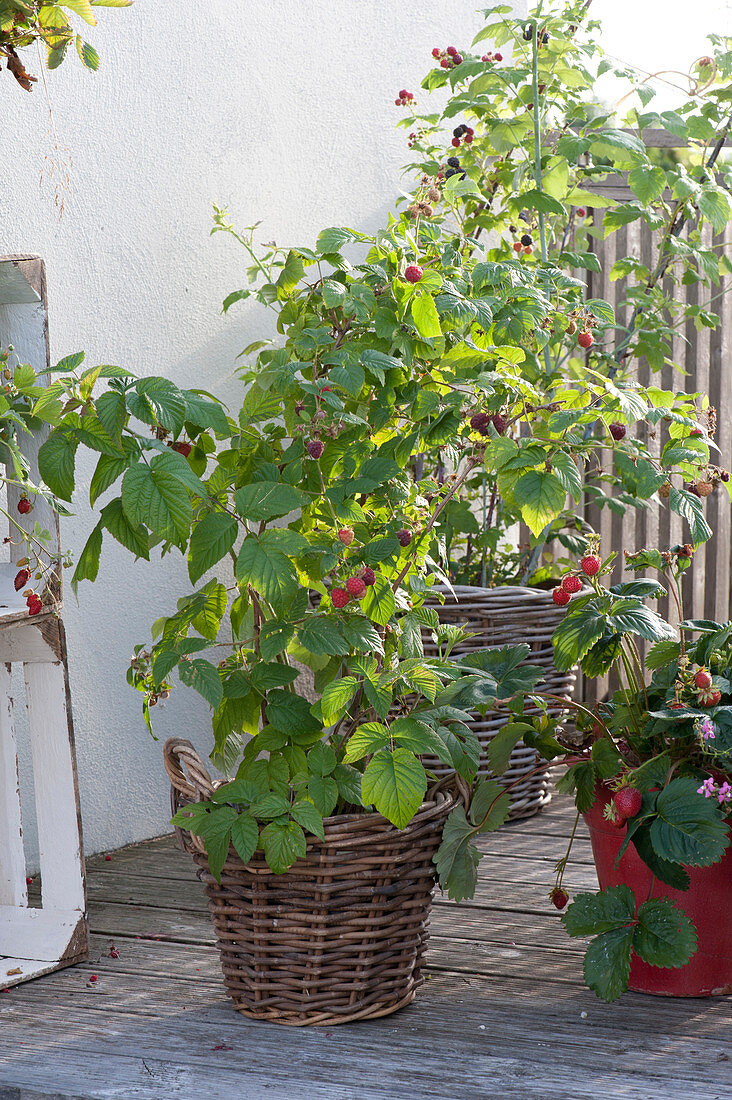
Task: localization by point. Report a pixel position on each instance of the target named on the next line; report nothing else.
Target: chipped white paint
(32, 940)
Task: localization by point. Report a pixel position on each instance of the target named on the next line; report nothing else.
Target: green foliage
(23, 22)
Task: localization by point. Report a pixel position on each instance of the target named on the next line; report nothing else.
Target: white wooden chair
(33, 940)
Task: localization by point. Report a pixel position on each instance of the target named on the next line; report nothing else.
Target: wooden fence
(705, 359)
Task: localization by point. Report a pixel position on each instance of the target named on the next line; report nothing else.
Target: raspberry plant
(23, 22)
(540, 142)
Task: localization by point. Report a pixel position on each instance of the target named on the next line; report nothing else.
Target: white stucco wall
(284, 111)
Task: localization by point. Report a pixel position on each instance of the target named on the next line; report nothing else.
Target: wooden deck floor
(503, 1013)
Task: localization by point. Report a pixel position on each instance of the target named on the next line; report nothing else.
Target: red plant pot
(707, 902)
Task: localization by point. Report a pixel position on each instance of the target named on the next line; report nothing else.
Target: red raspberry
(559, 898)
(413, 273)
(21, 579)
(528, 250)
(445, 64)
(183, 448)
(617, 431)
(34, 604)
(339, 597)
(560, 597)
(581, 212)
(404, 94)
(436, 51)
(356, 587)
(585, 339)
(451, 51)
(709, 698)
(517, 246)
(24, 506)
(457, 59)
(346, 536)
(404, 537)
(627, 803)
(499, 422)
(368, 576)
(486, 58)
(498, 57)
(479, 422)
(470, 131)
(315, 448)
(571, 583)
(703, 679)
(591, 565)
(397, 102)
(455, 142)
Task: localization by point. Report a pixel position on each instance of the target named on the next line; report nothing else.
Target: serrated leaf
(366, 739)
(457, 857)
(590, 914)
(323, 790)
(395, 782)
(269, 572)
(322, 635)
(690, 829)
(212, 538)
(576, 634)
(56, 463)
(245, 836)
(540, 495)
(266, 500)
(379, 603)
(215, 831)
(664, 935)
(490, 805)
(336, 697)
(283, 842)
(153, 495)
(607, 963)
(425, 316)
(204, 678)
(308, 815)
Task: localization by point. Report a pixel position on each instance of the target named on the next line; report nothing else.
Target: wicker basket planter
(508, 616)
(341, 936)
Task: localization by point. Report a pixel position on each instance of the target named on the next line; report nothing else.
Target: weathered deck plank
(502, 1014)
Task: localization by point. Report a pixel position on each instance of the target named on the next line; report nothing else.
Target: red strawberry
(560, 597)
(315, 448)
(24, 506)
(585, 339)
(709, 698)
(591, 565)
(404, 537)
(339, 597)
(627, 803)
(356, 587)
(413, 273)
(346, 536)
(21, 579)
(703, 679)
(34, 604)
(559, 897)
(571, 583)
(368, 576)
(617, 431)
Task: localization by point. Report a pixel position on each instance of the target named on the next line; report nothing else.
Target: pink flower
(707, 788)
(724, 794)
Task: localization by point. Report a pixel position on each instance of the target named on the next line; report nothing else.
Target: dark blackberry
(527, 240)
(528, 33)
(545, 38)
(451, 172)
(453, 162)
(459, 131)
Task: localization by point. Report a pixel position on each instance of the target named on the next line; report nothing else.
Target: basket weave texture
(341, 936)
(497, 617)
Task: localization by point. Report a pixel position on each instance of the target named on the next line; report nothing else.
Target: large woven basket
(498, 617)
(341, 936)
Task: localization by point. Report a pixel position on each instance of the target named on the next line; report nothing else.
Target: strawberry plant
(659, 753)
